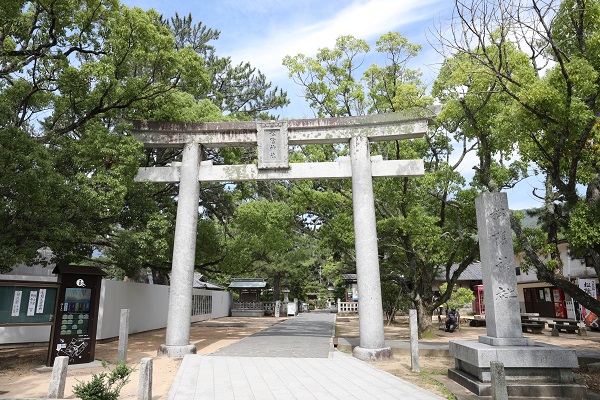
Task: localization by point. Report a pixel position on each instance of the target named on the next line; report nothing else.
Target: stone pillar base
(531, 371)
(382, 354)
(165, 350)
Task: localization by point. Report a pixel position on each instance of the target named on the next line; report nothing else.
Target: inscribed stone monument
(531, 369)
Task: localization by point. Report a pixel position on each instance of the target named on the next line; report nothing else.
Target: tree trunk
(276, 286)
(424, 314)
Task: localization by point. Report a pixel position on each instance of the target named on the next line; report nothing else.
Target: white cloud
(365, 20)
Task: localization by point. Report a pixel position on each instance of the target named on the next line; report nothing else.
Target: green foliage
(584, 228)
(241, 90)
(393, 297)
(104, 386)
(265, 240)
(333, 87)
(459, 298)
(394, 86)
(71, 73)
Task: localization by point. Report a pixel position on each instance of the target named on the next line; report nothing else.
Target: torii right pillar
(370, 309)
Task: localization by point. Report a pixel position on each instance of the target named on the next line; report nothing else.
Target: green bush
(459, 298)
(104, 386)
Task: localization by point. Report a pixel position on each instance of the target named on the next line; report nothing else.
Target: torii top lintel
(378, 127)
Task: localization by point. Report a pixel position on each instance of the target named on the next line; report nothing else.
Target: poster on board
(16, 307)
(31, 305)
(41, 302)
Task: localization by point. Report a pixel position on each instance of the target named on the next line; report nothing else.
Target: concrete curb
(426, 349)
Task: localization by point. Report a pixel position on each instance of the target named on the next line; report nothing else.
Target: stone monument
(531, 369)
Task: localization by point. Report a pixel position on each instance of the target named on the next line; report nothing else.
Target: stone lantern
(286, 291)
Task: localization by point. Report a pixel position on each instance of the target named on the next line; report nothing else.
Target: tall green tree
(71, 73)
(267, 240)
(68, 70)
(331, 80)
(241, 90)
(529, 75)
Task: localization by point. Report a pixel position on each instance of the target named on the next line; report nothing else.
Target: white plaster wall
(148, 306)
(222, 302)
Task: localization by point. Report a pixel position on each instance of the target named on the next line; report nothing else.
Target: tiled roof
(200, 283)
(471, 273)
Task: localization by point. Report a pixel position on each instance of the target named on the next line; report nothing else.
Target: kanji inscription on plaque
(272, 138)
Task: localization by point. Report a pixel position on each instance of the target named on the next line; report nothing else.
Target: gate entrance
(273, 139)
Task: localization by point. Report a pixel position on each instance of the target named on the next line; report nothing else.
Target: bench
(477, 320)
(533, 326)
(568, 328)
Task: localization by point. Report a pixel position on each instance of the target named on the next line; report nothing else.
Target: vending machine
(73, 331)
(478, 304)
(558, 296)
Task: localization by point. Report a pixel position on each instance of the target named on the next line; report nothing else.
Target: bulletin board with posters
(27, 302)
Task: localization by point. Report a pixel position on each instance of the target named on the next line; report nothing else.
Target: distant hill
(528, 221)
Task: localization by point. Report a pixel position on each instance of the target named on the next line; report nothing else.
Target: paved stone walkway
(308, 335)
(290, 360)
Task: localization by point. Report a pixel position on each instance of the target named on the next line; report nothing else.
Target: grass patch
(428, 335)
(426, 375)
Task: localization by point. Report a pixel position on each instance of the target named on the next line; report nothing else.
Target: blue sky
(263, 32)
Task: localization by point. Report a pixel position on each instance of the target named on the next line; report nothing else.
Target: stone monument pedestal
(531, 371)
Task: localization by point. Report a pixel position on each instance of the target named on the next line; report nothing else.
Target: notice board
(26, 302)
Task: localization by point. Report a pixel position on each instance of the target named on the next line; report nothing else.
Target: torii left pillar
(184, 255)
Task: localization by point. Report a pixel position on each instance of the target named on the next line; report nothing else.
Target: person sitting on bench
(452, 320)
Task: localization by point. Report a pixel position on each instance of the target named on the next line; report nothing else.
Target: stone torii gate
(273, 139)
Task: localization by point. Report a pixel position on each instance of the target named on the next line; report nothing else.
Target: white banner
(588, 286)
(31, 305)
(589, 318)
(41, 301)
(16, 308)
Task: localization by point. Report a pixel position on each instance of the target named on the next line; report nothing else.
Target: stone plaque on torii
(273, 139)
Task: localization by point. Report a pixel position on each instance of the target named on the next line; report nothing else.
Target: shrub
(104, 386)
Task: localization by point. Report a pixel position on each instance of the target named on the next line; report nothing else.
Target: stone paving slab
(307, 335)
(206, 377)
(294, 359)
